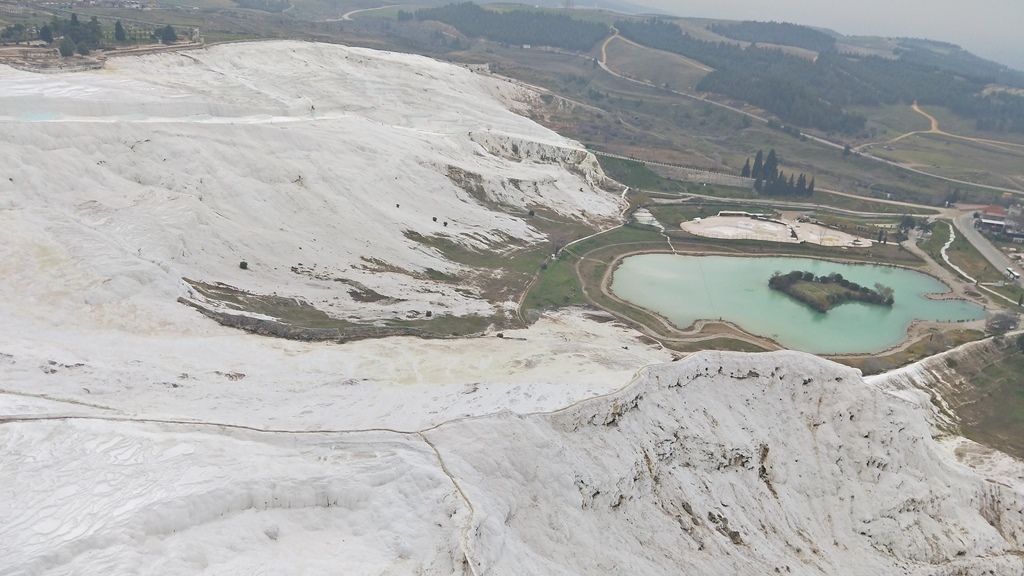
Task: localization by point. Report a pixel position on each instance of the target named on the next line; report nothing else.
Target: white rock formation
(728, 463)
(722, 463)
(310, 162)
(140, 438)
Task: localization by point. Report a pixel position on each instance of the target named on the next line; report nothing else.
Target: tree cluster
(768, 179)
(16, 33)
(814, 93)
(881, 295)
(782, 33)
(518, 26)
(78, 37)
(166, 35)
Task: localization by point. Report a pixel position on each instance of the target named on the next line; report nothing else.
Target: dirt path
(615, 35)
(348, 15)
(934, 129)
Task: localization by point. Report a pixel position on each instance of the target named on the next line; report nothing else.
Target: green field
(659, 68)
(983, 163)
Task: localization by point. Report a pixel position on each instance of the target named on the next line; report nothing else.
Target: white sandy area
(743, 228)
(285, 155)
(140, 437)
(718, 464)
(398, 383)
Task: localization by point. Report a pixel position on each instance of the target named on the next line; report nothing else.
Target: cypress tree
(770, 170)
(119, 31)
(746, 169)
(755, 172)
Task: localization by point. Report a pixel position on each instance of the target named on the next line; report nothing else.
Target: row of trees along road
(768, 179)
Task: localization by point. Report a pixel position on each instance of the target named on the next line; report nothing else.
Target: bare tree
(559, 239)
(1001, 323)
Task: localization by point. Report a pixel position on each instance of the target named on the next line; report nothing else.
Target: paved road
(965, 225)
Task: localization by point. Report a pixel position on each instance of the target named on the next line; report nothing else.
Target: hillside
(140, 437)
(718, 464)
(314, 164)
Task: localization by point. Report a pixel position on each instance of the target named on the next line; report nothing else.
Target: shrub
(67, 47)
(243, 265)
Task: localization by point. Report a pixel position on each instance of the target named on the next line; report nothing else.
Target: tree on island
(884, 291)
(824, 292)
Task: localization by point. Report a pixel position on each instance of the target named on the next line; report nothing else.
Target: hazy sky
(992, 29)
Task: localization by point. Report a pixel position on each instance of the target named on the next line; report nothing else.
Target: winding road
(603, 63)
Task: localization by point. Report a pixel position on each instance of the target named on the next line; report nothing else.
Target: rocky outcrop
(729, 463)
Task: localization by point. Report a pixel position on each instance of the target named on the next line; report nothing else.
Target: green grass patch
(934, 343)
(986, 393)
(724, 342)
(934, 243)
(635, 174)
(867, 205)
(671, 215)
(662, 69)
(557, 285)
(888, 122)
(998, 419)
(979, 162)
(965, 256)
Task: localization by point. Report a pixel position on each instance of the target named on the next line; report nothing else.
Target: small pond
(685, 289)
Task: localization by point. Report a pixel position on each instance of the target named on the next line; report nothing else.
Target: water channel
(685, 289)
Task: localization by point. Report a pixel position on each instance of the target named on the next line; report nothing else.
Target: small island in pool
(823, 292)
